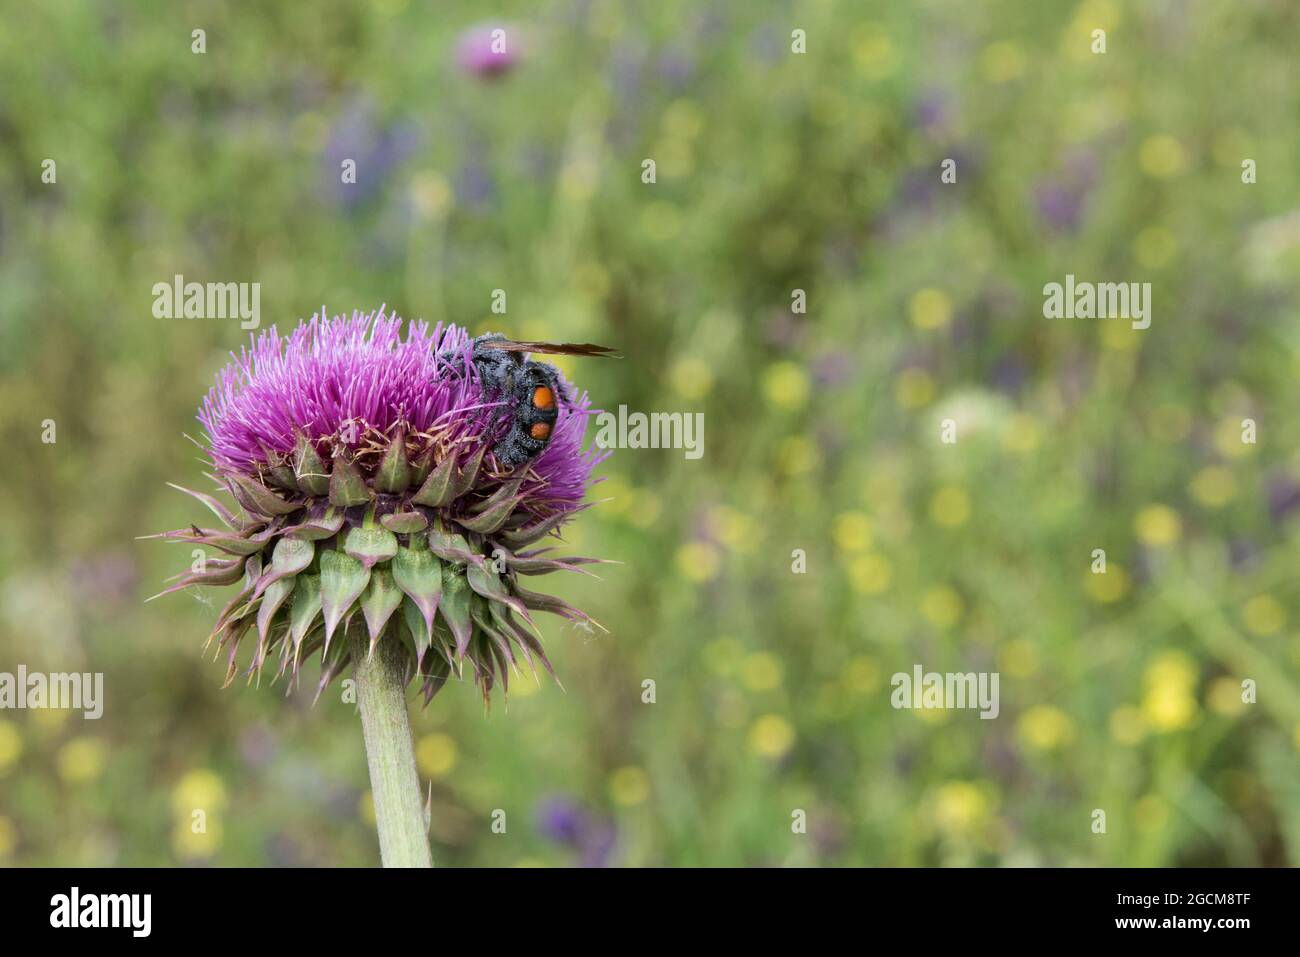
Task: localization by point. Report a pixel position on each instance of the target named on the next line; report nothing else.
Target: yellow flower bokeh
(1169, 702)
(950, 506)
(1002, 61)
(1157, 525)
(1108, 586)
(691, 378)
(1046, 728)
(198, 788)
(930, 309)
(1225, 697)
(870, 574)
(735, 529)
(873, 51)
(1213, 486)
(1127, 725)
(1263, 615)
(8, 837)
(11, 746)
(629, 786)
(851, 531)
(1155, 247)
(913, 388)
(1162, 156)
(761, 671)
(942, 606)
(771, 736)
(436, 754)
(960, 807)
(1021, 433)
(1018, 658)
(81, 760)
(699, 561)
(786, 385)
(862, 675)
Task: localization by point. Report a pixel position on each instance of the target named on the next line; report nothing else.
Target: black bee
(533, 389)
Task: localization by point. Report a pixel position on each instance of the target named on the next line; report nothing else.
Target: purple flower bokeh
(488, 50)
(932, 112)
(566, 821)
(376, 149)
(1060, 200)
(1283, 496)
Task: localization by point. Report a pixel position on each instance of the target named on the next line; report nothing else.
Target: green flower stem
(394, 781)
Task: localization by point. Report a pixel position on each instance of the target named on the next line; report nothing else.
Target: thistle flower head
(368, 495)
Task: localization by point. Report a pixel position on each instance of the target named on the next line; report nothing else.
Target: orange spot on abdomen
(540, 430)
(543, 398)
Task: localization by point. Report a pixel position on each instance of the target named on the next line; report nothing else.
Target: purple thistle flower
(325, 376)
(488, 50)
(363, 463)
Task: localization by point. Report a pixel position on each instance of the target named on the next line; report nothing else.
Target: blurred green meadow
(828, 537)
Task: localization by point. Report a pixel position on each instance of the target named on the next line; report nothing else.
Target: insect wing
(552, 348)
